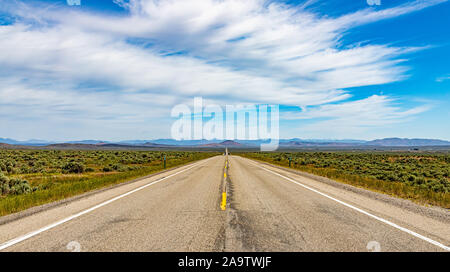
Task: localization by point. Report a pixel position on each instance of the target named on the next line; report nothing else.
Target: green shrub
(19, 186)
(119, 167)
(74, 167)
(14, 186)
(4, 184)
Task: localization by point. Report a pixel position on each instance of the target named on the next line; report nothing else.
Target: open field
(34, 177)
(421, 177)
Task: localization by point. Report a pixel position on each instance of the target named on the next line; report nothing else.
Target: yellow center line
(223, 205)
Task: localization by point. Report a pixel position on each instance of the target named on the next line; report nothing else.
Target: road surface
(267, 209)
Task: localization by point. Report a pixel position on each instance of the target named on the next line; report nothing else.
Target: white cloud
(356, 116)
(227, 51)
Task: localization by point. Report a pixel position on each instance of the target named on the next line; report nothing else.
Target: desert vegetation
(34, 177)
(421, 177)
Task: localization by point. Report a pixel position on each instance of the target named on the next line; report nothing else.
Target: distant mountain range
(387, 142)
(29, 142)
(227, 143)
(285, 143)
(407, 142)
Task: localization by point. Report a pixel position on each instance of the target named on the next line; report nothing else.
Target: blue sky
(113, 70)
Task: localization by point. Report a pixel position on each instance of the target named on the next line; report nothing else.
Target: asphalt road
(268, 209)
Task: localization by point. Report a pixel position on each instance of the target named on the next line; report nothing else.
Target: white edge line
(36, 232)
(361, 211)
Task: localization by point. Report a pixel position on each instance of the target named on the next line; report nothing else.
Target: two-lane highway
(268, 209)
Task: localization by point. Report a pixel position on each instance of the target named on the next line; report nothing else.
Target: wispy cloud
(164, 52)
(374, 110)
(355, 116)
(443, 78)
